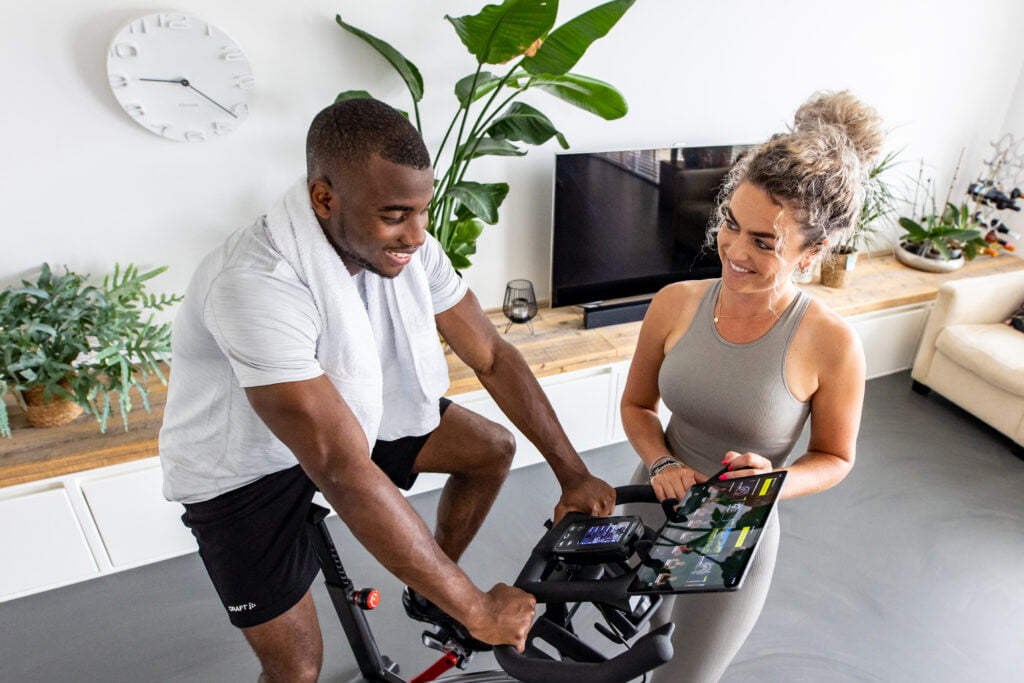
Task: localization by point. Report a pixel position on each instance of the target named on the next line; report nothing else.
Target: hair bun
(860, 123)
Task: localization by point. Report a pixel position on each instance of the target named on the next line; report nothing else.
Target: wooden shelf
(559, 345)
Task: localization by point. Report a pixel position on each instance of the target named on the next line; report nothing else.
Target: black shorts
(253, 539)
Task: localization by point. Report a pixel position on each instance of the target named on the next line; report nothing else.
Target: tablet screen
(709, 541)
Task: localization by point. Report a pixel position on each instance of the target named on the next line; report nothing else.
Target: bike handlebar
(650, 651)
(536, 666)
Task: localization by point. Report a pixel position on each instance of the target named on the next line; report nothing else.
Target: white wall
(82, 184)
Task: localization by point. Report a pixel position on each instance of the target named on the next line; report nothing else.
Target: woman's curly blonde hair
(817, 170)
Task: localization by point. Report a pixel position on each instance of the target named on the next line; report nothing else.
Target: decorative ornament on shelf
(519, 33)
(66, 345)
(520, 304)
(180, 77)
(998, 189)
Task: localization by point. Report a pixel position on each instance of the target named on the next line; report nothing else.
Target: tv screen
(628, 223)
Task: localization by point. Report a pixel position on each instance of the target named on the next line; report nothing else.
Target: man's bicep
(312, 419)
(470, 333)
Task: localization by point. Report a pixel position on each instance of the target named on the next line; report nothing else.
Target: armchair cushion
(991, 351)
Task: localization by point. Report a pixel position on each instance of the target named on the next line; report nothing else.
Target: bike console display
(600, 539)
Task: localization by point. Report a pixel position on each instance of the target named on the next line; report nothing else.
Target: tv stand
(602, 313)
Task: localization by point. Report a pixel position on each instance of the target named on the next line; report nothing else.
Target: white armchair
(971, 358)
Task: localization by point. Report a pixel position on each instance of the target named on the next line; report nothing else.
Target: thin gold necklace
(718, 306)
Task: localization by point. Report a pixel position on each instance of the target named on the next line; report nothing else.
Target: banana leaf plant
(489, 120)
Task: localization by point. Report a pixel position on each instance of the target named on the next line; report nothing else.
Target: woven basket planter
(834, 267)
(57, 411)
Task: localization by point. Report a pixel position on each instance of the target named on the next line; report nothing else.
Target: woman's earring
(804, 273)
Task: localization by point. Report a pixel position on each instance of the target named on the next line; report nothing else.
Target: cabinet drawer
(42, 542)
(135, 522)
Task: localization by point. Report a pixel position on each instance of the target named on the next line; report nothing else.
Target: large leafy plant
(82, 342)
(882, 194)
(489, 120)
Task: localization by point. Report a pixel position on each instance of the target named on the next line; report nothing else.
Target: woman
(742, 362)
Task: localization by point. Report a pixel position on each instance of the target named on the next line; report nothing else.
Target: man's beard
(350, 257)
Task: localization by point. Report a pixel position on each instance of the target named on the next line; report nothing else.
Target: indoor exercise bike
(582, 559)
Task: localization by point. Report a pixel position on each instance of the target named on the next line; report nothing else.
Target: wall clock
(180, 77)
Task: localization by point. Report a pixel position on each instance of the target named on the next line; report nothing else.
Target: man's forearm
(385, 524)
(518, 394)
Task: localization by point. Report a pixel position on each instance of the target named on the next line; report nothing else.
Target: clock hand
(189, 85)
(184, 82)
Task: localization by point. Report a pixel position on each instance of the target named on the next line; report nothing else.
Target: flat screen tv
(628, 223)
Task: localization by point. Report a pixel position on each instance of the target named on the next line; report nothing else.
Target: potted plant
(940, 242)
(67, 345)
(520, 32)
(880, 200)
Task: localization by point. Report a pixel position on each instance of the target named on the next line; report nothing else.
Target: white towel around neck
(347, 348)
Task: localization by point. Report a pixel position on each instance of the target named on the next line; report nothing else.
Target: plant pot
(55, 412)
(926, 263)
(834, 267)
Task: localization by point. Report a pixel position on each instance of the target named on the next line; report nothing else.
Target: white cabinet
(135, 523)
(42, 541)
(584, 401)
(890, 337)
(87, 524)
(581, 400)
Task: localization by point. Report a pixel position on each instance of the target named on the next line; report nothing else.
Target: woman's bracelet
(662, 463)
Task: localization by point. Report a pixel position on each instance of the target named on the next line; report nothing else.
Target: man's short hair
(349, 132)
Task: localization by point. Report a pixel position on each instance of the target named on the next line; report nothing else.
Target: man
(306, 357)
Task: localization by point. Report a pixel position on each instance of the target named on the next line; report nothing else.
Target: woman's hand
(745, 465)
(674, 482)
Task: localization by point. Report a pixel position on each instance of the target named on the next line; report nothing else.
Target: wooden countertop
(559, 345)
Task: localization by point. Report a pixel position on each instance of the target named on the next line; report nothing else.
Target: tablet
(709, 542)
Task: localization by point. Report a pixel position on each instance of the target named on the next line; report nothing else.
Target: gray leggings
(710, 627)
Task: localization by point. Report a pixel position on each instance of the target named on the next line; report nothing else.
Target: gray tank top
(731, 397)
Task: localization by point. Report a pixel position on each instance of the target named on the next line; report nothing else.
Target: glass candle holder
(520, 304)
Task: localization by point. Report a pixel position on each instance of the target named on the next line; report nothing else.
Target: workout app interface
(709, 541)
(605, 533)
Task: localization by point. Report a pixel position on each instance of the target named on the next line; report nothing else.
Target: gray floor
(910, 570)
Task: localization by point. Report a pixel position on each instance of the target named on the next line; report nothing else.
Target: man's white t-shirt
(247, 320)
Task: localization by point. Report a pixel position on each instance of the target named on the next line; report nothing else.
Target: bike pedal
(444, 640)
(431, 640)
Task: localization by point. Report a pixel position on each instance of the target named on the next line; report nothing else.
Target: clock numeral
(160, 128)
(194, 136)
(221, 128)
(245, 82)
(241, 110)
(177, 21)
(142, 27)
(231, 53)
(135, 110)
(118, 80)
(124, 50)
(209, 30)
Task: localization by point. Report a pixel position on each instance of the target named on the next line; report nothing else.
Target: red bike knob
(367, 598)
